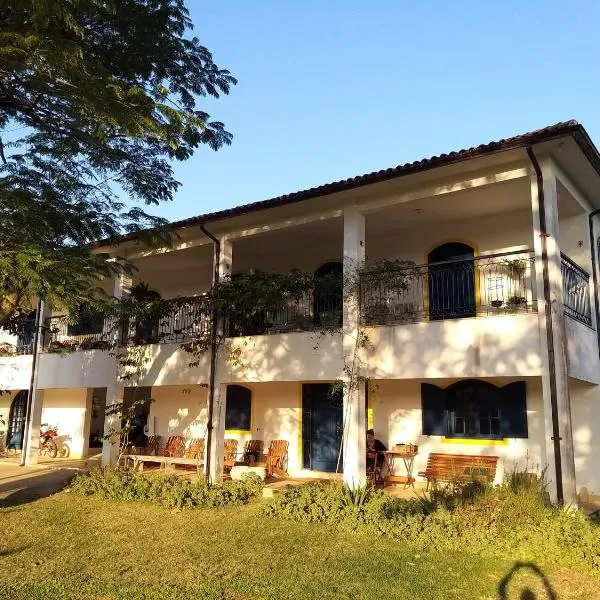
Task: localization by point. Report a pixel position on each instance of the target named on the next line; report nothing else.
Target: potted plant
(516, 302)
(515, 267)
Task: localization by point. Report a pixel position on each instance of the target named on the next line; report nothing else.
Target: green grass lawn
(69, 546)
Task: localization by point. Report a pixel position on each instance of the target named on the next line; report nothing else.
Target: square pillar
(214, 451)
(217, 447)
(354, 440)
(31, 441)
(112, 424)
(551, 319)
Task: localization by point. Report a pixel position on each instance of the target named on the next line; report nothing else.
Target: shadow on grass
(526, 592)
(24, 490)
(12, 551)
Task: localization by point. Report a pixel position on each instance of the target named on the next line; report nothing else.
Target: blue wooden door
(321, 427)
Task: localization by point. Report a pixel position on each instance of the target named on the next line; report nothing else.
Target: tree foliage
(96, 96)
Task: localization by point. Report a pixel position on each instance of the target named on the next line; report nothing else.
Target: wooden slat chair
(252, 452)
(195, 449)
(276, 460)
(459, 468)
(175, 446)
(229, 452)
(152, 445)
(192, 455)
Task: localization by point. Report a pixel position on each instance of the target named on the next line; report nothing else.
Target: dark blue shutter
(513, 411)
(238, 408)
(433, 408)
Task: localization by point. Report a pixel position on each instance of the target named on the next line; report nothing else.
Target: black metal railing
(90, 332)
(308, 312)
(485, 285)
(183, 319)
(18, 339)
(576, 292)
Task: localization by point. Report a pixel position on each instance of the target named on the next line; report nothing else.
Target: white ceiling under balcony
(484, 201)
(179, 273)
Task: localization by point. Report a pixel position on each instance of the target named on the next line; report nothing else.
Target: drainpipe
(37, 341)
(213, 352)
(549, 330)
(594, 273)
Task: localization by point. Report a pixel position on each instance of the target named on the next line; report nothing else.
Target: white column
(31, 441)
(354, 442)
(114, 395)
(217, 448)
(217, 442)
(553, 348)
(112, 424)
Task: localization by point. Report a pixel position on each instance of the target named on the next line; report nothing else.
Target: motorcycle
(51, 444)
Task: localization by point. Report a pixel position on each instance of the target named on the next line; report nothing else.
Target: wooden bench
(460, 468)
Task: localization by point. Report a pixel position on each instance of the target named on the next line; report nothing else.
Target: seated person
(375, 448)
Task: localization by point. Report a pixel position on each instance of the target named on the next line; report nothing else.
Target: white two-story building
(492, 347)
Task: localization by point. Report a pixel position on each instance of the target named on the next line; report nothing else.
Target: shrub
(513, 520)
(166, 490)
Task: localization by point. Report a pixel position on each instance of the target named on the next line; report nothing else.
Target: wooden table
(408, 458)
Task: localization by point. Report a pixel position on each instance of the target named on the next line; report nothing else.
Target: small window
(475, 409)
(238, 408)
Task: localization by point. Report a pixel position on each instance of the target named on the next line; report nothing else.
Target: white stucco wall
(397, 418)
(503, 346)
(583, 361)
(285, 357)
(178, 410)
(276, 415)
(67, 408)
(585, 416)
(167, 364)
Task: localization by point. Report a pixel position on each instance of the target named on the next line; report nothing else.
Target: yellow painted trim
(300, 419)
(369, 410)
(239, 431)
(474, 442)
(426, 262)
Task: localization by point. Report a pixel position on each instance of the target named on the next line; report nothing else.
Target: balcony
(177, 322)
(491, 285)
(576, 292)
(309, 311)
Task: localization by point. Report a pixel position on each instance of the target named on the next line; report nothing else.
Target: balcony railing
(576, 292)
(188, 317)
(486, 285)
(308, 312)
(91, 332)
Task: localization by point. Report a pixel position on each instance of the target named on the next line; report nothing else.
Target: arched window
(16, 421)
(238, 408)
(475, 409)
(451, 281)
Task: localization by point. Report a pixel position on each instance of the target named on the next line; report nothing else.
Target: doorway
(322, 427)
(451, 281)
(16, 421)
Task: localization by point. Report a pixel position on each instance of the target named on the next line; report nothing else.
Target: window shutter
(513, 411)
(433, 408)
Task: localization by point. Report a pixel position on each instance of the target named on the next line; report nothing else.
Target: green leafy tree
(96, 97)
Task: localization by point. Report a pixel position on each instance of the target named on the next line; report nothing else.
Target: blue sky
(329, 90)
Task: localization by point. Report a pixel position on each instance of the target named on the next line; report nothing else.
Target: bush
(514, 520)
(166, 490)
